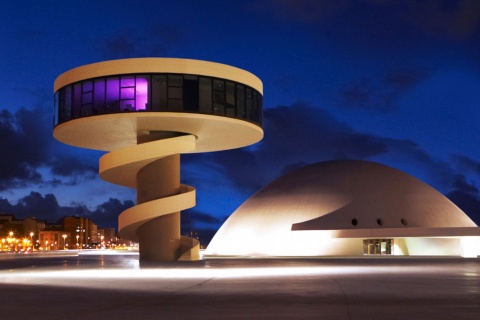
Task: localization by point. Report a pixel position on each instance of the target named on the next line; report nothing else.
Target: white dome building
(339, 208)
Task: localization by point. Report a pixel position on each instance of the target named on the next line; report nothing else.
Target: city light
(13, 244)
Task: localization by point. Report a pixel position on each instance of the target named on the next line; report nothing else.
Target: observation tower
(145, 112)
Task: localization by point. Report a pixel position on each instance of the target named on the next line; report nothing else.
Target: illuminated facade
(52, 240)
(81, 232)
(347, 208)
(145, 113)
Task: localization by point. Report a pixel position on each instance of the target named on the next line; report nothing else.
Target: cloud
(23, 145)
(296, 134)
(301, 134)
(304, 11)
(443, 18)
(467, 164)
(46, 207)
(129, 43)
(467, 197)
(31, 156)
(379, 94)
(200, 225)
(33, 205)
(452, 19)
(192, 219)
(75, 169)
(106, 214)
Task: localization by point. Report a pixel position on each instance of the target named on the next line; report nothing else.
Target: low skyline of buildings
(69, 232)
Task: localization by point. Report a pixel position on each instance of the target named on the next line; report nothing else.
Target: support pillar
(159, 239)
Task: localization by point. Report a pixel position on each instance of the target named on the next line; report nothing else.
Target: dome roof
(333, 195)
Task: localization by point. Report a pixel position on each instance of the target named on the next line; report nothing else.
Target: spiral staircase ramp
(122, 166)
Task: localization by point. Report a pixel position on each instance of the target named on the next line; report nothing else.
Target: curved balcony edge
(131, 219)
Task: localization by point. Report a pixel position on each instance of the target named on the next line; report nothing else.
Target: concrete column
(159, 239)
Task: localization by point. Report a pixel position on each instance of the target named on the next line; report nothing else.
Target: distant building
(82, 233)
(52, 240)
(54, 236)
(109, 237)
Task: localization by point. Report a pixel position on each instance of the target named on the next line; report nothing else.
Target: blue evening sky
(397, 82)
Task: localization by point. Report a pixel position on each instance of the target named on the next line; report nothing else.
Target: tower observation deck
(145, 112)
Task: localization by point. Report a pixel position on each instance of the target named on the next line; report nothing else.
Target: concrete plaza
(100, 285)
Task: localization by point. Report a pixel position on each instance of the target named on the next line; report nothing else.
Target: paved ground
(116, 287)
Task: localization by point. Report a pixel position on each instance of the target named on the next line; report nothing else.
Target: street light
(46, 245)
(31, 239)
(77, 236)
(64, 236)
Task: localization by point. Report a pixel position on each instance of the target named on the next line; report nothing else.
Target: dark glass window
(175, 80)
(175, 105)
(218, 97)
(67, 111)
(56, 106)
(241, 101)
(99, 96)
(77, 100)
(205, 95)
(248, 104)
(190, 94)
(230, 99)
(157, 92)
(175, 93)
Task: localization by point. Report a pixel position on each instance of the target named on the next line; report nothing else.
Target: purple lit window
(141, 88)
(113, 95)
(127, 93)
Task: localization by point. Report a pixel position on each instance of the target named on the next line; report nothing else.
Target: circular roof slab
(114, 131)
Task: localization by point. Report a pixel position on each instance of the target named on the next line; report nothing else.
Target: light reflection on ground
(328, 288)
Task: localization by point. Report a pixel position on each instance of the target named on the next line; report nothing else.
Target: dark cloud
(466, 164)
(122, 45)
(129, 43)
(402, 80)
(191, 219)
(200, 225)
(304, 11)
(444, 18)
(452, 19)
(302, 134)
(46, 207)
(75, 169)
(106, 214)
(296, 134)
(467, 197)
(235, 161)
(33, 205)
(27, 146)
(24, 143)
(380, 94)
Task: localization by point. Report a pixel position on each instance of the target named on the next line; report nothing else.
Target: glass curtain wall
(157, 93)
